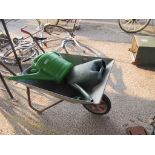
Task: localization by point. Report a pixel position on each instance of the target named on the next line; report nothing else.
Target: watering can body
(47, 66)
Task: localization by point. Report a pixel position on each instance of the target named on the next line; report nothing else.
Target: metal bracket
(35, 109)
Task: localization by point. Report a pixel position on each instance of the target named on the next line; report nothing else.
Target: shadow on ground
(17, 118)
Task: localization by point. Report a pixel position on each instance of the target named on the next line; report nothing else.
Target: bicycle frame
(73, 41)
(69, 38)
(34, 38)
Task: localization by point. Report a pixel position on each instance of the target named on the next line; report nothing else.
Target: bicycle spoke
(128, 22)
(138, 25)
(130, 26)
(134, 25)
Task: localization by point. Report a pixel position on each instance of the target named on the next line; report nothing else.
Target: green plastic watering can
(47, 66)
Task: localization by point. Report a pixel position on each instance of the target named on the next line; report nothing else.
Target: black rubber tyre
(132, 21)
(99, 109)
(57, 31)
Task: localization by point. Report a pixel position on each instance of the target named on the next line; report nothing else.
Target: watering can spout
(28, 76)
(19, 77)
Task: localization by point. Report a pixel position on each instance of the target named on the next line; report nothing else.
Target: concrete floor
(130, 89)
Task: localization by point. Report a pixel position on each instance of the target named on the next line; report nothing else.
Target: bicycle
(60, 22)
(26, 50)
(44, 26)
(68, 41)
(49, 37)
(133, 25)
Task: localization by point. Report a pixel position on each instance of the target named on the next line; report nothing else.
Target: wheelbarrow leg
(32, 107)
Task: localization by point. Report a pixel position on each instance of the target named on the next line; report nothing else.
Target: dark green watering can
(47, 66)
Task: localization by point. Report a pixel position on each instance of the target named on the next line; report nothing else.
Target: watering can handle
(36, 59)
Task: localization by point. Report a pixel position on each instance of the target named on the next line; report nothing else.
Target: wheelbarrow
(100, 103)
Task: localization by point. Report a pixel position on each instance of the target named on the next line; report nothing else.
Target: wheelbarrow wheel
(99, 109)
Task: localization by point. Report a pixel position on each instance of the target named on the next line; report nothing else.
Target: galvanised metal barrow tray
(101, 103)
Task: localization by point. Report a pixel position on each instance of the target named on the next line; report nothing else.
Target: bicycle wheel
(133, 25)
(75, 47)
(57, 32)
(23, 55)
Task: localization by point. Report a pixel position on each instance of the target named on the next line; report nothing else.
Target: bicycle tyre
(57, 31)
(89, 49)
(35, 54)
(133, 31)
(13, 61)
(84, 50)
